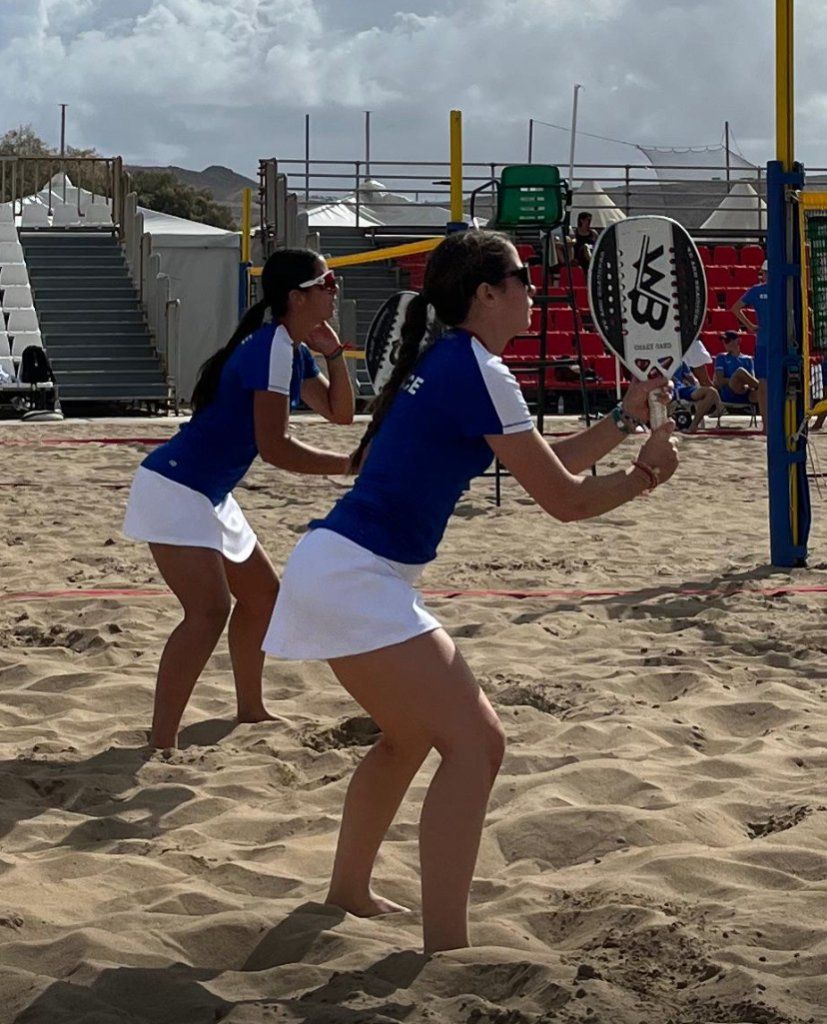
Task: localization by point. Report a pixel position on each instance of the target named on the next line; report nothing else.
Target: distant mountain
(225, 184)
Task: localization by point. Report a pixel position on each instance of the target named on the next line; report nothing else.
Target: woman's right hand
(660, 452)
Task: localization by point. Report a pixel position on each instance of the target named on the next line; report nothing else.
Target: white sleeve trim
(503, 390)
(280, 370)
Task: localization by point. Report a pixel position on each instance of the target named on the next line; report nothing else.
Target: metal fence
(53, 180)
(413, 192)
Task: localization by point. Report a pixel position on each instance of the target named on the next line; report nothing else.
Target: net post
(789, 505)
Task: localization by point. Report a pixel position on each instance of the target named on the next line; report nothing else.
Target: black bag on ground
(34, 366)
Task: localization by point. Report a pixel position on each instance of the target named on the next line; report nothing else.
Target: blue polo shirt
(429, 447)
(757, 299)
(728, 364)
(212, 452)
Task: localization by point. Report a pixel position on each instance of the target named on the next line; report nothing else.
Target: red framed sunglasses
(327, 281)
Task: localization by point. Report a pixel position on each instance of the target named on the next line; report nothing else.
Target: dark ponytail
(455, 269)
(285, 270)
(408, 353)
(210, 373)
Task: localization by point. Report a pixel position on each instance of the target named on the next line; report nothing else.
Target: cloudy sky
(199, 82)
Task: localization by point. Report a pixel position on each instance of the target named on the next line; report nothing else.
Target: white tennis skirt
(162, 511)
(336, 599)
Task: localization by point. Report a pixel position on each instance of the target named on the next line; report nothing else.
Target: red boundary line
(779, 591)
(722, 432)
(83, 440)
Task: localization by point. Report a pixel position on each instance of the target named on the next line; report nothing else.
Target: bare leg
(761, 395)
(254, 585)
(706, 400)
(422, 694)
(702, 373)
(196, 577)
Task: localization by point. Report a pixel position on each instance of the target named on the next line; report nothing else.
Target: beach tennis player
(443, 415)
(181, 500)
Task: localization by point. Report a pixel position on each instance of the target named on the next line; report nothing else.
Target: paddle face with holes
(385, 334)
(647, 293)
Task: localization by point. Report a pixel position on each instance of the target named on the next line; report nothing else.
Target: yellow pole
(784, 66)
(246, 223)
(456, 165)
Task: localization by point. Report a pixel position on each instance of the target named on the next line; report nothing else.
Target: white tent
(202, 264)
(377, 206)
(741, 210)
(590, 197)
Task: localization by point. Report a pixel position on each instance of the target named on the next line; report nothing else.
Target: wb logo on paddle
(649, 305)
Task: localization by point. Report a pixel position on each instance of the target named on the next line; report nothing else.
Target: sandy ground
(655, 847)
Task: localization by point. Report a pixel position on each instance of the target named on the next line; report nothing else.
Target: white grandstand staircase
(91, 319)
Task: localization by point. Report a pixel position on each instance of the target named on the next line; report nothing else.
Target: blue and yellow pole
(244, 265)
(789, 506)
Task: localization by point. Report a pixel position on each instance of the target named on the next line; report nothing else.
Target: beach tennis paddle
(385, 335)
(647, 295)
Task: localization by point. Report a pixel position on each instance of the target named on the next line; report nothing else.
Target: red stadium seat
(604, 366)
(523, 348)
(718, 277)
(748, 344)
(732, 296)
(722, 320)
(563, 319)
(558, 343)
(581, 297)
(752, 256)
(578, 278)
(705, 253)
(713, 343)
(592, 344)
(745, 277)
(536, 276)
(725, 255)
(525, 251)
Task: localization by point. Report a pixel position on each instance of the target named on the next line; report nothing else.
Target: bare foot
(257, 715)
(368, 906)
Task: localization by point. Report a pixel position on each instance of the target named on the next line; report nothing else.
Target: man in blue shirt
(735, 373)
(756, 298)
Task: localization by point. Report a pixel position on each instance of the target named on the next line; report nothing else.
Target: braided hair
(285, 270)
(456, 268)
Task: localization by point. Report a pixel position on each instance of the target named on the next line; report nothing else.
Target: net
(706, 163)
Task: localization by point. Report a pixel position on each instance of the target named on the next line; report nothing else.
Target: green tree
(162, 191)
(43, 162)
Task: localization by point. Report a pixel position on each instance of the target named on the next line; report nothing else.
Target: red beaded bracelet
(648, 472)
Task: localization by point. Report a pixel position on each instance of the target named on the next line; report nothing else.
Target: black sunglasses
(523, 275)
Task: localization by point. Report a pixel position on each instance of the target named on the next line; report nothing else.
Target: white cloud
(228, 81)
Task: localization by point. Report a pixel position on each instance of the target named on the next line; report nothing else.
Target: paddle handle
(658, 413)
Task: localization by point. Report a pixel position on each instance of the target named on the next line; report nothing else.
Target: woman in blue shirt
(440, 420)
(181, 500)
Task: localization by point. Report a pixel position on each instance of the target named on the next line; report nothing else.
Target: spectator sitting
(697, 358)
(583, 240)
(704, 397)
(735, 373)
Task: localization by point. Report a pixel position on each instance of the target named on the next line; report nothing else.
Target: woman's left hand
(323, 339)
(636, 400)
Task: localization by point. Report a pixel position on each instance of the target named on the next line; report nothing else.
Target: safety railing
(413, 191)
(77, 181)
(163, 312)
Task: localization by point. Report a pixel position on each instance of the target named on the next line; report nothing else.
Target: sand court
(655, 845)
